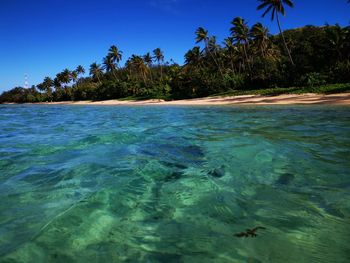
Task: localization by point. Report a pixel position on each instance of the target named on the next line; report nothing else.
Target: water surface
(174, 184)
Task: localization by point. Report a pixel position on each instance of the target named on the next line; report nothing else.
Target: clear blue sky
(42, 37)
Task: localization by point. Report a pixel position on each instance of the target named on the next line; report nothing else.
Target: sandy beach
(341, 99)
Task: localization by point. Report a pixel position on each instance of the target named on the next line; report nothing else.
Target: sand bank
(341, 98)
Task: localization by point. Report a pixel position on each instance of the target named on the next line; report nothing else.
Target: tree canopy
(248, 58)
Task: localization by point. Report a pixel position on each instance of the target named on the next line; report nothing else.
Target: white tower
(26, 82)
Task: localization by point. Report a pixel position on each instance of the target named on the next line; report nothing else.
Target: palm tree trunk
(284, 40)
(115, 76)
(143, 76)
(161, 71)
(150, 73)
(232, 66)
(216, 63)
(246, 57)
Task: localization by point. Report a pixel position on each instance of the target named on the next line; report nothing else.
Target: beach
(290, 99)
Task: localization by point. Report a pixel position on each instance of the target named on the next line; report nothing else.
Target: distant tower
(26, 82)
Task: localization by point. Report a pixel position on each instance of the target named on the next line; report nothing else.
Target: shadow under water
(174, 184)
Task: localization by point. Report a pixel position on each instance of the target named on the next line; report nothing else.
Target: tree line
(249, 58)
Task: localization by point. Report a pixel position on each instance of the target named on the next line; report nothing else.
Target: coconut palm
(80, 70)
(47, 83)
(276, 7)
(212, 45)
(240, 34)
(137, 64)
(56, 82)
(215, 49)
(148, 60)
(64, 77)
(159, 57)
(109, 65)
(202, 36)
(337, 37)
(260, 35)
(115, 54)
(193, 58)
(96, 71)
(74, 76)
(231, 51)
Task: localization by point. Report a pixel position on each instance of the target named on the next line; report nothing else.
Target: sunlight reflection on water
(174, 184)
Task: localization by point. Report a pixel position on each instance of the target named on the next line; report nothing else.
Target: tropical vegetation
(248, 60)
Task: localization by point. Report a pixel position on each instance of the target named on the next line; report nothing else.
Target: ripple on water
(174, 184)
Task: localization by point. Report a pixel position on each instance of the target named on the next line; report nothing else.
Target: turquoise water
(174, 184)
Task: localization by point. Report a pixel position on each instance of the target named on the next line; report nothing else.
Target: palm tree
(80, 70)
(48, 83)
(215, 48)
(77, 72)
(240, 34)
(137, 64)
(74, 76)
(202, 36)
(276, 7)
(193, 58)
(109, 65)
(57, 82)
(231, 50)
(337, 38)
(261, 38)
(64, 77)
(159, 57)
(148, 60)
(96, 71)
(115, 54)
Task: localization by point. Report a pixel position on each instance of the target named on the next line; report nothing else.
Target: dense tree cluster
(249, 58)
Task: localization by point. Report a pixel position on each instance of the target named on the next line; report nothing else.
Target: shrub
(313, 79)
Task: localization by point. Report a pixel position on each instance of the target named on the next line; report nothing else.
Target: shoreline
(288, 99)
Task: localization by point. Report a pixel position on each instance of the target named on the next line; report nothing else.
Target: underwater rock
(174, 165)
(285, 179)
(194, 151)
(217, 172)
(173, 176)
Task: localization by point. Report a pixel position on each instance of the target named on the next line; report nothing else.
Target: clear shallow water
(173, 184)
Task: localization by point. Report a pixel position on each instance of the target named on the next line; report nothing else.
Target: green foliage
(234, 81)
(251, 61)
(314, 79)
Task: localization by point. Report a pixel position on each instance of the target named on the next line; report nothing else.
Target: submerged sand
(309, 98)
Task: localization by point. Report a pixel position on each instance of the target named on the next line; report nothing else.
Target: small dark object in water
(173, 177)
(194, 151)
(250, 232)
(217, 172)
(285, 179)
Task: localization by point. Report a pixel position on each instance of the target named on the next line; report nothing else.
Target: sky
(42, 37)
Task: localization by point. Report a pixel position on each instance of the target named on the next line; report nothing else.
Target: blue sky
(42, 37)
